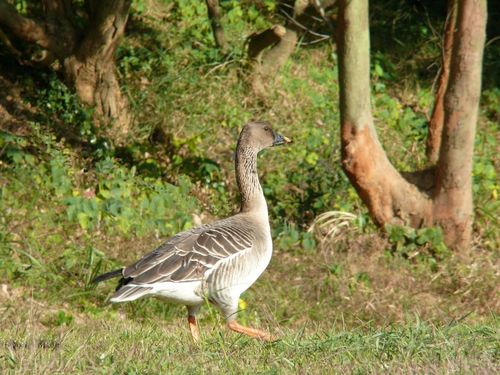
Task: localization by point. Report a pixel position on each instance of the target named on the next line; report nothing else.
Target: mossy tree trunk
(84, 56)
(390, 198)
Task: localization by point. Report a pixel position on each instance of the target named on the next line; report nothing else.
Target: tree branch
(274, 58)
(258, 42)
(319, 8)
(266, 61)
(24, 28)
(301, 26)
(105, 28)
(8, 44)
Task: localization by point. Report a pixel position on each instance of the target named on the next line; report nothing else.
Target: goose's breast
(237, 273)
(258, 260)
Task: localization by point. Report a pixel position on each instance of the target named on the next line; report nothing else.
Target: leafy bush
(422, 245)
(48, 197)
(132, 204)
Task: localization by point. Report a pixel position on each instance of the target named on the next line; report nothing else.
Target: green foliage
(403, 128)
(423, 245)
(62, 318)
(8, 267)
(237, 17)
(59, 102)
(415, 31)
(288, 238)
(12, 150)
(119, 200)
(64, 199)
(131, 204)
(193, 20)
(67, 117)
(60, 180)
(485, 185)
(21, 6)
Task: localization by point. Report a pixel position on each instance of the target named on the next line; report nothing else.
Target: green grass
(118, 345)
(73, 205)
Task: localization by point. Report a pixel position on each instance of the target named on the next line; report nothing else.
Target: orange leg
(193, 327)
(252, 332)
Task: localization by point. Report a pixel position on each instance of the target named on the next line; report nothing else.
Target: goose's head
(259, 135)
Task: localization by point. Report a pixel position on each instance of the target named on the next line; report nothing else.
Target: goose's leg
(193, 326)
(230, 311)
(249, 331)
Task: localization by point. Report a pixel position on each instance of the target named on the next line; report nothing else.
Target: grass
(72, 205)
(118, 345)
(333, 310)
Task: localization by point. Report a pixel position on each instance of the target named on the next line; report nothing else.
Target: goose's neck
(252, 197)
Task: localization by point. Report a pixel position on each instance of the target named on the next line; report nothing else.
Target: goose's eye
(267, 129)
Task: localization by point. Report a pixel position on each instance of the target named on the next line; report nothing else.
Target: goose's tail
(108, 275)
(127, 292)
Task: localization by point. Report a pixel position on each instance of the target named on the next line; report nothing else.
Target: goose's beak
(281, 140)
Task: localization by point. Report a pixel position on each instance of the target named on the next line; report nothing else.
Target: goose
(215, 262)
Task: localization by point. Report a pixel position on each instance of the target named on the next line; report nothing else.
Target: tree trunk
(214, 15)
(258, 42)
(268, 52)
(84, 57)
(437, 118)
(390, 198)
(274, 58)
(91, 69)
(453, 209)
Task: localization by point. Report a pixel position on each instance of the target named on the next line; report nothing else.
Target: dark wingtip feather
(108, 275)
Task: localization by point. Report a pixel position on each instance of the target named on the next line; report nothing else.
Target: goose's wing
(189, 255)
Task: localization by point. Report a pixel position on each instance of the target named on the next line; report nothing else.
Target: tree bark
(31, 31)
(91, 69)
(214, 15)
(437, 118)
(274, 58)
(268, 52)
(390, 198)
(83, 57)
(258, 42)
(453, 209)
